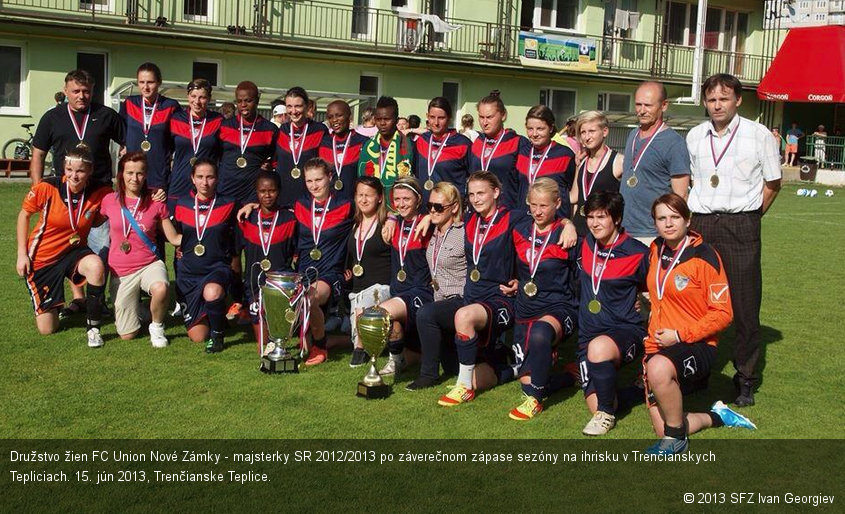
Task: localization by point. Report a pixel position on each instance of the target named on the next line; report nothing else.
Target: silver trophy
(280, 314)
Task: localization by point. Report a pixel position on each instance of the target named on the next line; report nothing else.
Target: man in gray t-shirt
(656, 162)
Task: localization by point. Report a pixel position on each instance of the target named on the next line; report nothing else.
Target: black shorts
(47, 285)
(191, 287)
(500, 318)
(629, 342)
(692, 364)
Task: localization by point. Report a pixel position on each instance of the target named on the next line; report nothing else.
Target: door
(95, 64)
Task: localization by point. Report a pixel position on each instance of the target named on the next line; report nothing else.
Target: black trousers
(737, 239)
(436, 328)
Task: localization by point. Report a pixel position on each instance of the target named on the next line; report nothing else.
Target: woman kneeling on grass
(690, 305)
(56, 249)
(134, 221)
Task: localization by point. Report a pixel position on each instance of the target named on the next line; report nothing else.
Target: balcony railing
(317, 24)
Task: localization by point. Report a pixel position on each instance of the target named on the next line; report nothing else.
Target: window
(713, 29)
(723, 29)
(556, 14)
(360, 18)
(398, 3)
(12, 73)
(437, 8)
(97, 5)
(368, 86)
(560, 101)
(614, 102)
(208, 70)
(452, 92)
(196, 9)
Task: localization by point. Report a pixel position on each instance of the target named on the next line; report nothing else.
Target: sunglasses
(438, 207)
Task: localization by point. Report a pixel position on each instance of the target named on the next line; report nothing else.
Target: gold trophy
(280, 315)
(373, 329)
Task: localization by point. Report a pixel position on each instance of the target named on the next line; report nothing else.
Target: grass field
(56, 387)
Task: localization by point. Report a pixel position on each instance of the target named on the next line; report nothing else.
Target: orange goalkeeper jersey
(696, 299)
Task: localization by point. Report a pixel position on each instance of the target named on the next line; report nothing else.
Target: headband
(407, 186)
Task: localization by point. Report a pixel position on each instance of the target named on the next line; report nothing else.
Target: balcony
(315, 24)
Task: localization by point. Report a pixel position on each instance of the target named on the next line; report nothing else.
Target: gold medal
(125, 246)
(199, 250)
(530, 288)
(594, 306)
(315, 254)
(429, 185)
(241, 162)
(74, 240)
(632, 181)
(192, 161)
(82, 145)
(401, 275)
(581, 211)
(714, 180)
(475, 275)
(146, 145)
(265, 264)
(295, 172)
(358, 270)
(435, 285)
(290, 316)
(338, 185)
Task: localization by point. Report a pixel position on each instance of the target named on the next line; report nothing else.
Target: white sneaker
(157, 337)
(95, 340)
(601, 424)
(395, 365)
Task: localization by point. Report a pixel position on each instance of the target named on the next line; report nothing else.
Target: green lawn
(56, 387)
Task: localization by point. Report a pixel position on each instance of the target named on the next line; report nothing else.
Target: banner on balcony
(557, 52)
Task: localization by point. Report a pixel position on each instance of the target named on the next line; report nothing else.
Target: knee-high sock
(541, 336)
(603, 375)
(94, 304)
(216, 316)
(467, 352)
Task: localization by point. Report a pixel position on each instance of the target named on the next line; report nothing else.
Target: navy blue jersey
(495, 261)
(623, 278)
(498, 156)
(158, 134)
(239, 183)
(552, 273)
(218, 238)
(332, 241)
(279, 239)
(183, 149)
(333, 150)
(558, 165)
(438, 163)
(304, 145)
(418, 276)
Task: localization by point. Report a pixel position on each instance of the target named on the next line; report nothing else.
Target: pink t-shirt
(120, 262)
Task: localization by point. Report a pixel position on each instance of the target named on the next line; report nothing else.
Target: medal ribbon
(338, 164)
(595, 280)
(197, 139)
(585, 169)
(245, 144)
(486, 165)
(265, 247)
(403, 249)
(637, 156)
(534, 170)
(128, 228)
(534, 260)
(382, 158)
(201, 229)
(74, 223)
(717, 160)
(361, 242)
(432, 164)
(438, 244)
(80, 133)
(659, 282)
(293, 144)
(317, 229)
(148, 121)
(478, 247)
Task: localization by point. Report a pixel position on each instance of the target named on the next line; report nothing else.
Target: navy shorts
(500, 318)
(191, 287)
(692, 362)
(47, 285)
(629, 342)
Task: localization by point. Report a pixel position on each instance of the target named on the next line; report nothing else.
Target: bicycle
(21, 149)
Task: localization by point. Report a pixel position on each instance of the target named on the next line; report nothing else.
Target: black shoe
(359, 358)
(746, 393)
(421, 383)
(74, 307)
(213, 346)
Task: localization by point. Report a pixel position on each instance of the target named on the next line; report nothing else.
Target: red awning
(809, 67)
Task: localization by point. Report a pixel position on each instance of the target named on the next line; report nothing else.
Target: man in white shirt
(736, 175)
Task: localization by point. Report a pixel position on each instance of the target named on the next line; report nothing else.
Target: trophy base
(286, 365)
(375, 392)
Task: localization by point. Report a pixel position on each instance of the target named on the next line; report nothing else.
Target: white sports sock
(465, 374)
